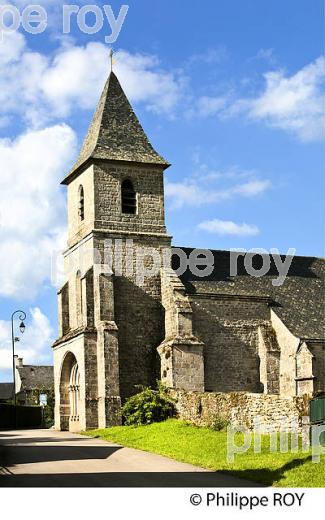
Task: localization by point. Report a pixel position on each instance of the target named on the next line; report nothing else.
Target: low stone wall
(240, 408)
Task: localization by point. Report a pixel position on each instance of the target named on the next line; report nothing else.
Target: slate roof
(115, 132)
(34, 377)
(299, 302)
(6, 391)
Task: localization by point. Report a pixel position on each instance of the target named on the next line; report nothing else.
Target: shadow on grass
(268, 476)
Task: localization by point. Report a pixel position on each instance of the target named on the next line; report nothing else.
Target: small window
(129, 199)
(43, 399)
(81, 206)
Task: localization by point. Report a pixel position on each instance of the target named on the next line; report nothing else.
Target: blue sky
(230, 92)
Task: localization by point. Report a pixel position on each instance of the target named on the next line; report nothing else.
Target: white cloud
(207, 106)
(227, 227)
(252, 188)
(78, 73)
(210, 56)
(43, 89)
(32, 206)
(294, 103)
(266, 55)
(11, 48)
(209, 188)
(34, 344)
(144, 81)
(187, 193)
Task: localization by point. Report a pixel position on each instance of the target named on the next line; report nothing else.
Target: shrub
(218, 423)
(147, 407)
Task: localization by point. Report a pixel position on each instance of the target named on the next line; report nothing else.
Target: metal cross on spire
(111, 53)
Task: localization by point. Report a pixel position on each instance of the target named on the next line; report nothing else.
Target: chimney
(18, 361)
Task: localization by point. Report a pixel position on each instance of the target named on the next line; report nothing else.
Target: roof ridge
(248, 251)
(37, 366)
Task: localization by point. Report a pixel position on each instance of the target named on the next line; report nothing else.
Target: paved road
(46, 458)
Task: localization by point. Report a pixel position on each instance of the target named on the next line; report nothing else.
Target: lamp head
(22, 327)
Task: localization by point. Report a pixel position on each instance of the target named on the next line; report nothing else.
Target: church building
(130, 313)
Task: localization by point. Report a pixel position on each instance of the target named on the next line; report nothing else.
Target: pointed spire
(115, 133)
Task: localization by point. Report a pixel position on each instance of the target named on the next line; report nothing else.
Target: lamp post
(22, 317)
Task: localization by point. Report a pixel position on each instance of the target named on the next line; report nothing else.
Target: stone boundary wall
(240, 408)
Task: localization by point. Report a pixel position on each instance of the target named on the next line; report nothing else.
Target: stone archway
(70, 394)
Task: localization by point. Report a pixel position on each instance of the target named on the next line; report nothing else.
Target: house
(6, 392)
(34, 383)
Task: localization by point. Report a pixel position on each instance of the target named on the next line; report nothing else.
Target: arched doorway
(70, 394)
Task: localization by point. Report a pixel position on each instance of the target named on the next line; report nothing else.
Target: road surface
(47, 458)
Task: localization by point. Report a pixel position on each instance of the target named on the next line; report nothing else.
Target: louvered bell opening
(129, 202)
(81, 205)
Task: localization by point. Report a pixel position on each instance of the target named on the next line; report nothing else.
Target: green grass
(207, 448)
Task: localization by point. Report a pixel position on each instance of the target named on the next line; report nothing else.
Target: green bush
(147, 407)
(218, 423)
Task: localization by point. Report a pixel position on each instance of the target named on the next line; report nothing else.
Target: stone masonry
(242, 409)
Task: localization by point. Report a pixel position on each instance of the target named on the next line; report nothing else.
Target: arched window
(81, 205)
(129, 198)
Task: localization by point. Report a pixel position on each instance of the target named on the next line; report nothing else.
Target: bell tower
(118, 174)
(111, 319)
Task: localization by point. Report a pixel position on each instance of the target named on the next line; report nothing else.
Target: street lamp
(22, 326)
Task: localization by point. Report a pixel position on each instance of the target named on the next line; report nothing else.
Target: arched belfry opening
(81, 204)
(70, 394)
(129, 198)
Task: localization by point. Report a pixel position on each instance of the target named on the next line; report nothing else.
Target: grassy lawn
(207, 448)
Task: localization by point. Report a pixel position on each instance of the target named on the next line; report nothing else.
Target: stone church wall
(140, 321)
(83, 348)
(310, 371)
(76, 229)
(139, 316)
(229, 330)
(269, 354)
(288, 344)
(181, 353)
(148, 184)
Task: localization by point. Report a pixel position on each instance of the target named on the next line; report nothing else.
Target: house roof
(299, 302)
(36, 377)
(6, 391)
(115, 132)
